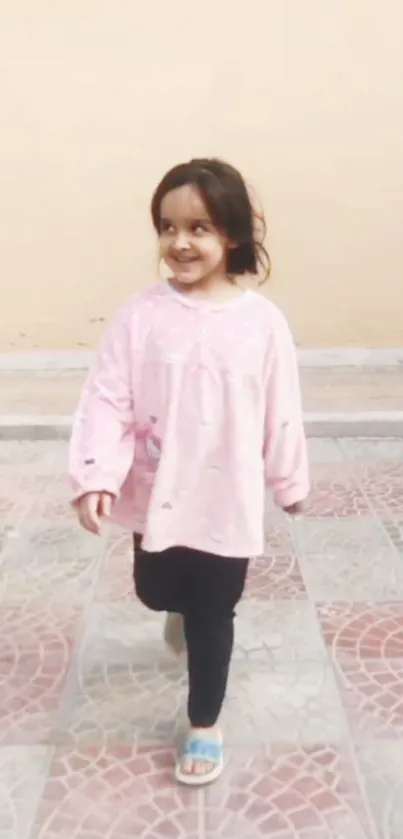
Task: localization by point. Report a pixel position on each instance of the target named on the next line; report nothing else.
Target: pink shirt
(190, 409)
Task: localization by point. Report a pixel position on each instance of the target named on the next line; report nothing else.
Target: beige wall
(99, 97)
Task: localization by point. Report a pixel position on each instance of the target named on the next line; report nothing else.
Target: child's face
(189, 243)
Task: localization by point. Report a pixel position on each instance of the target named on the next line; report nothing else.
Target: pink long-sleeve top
(190, 409)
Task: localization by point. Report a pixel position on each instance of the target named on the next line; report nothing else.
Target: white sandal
(205, 751)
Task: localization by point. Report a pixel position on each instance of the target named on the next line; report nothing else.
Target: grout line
(51, 751)
(201, 807)
(361, 783)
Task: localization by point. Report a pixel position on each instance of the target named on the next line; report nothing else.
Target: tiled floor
(91, 705)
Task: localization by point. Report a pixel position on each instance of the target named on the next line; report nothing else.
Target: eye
(199, 228)
(166, 227)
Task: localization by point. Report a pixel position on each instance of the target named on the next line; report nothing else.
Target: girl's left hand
(295, 509)
(92, 508)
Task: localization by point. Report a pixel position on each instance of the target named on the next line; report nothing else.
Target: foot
(196, 767)
(174, 633)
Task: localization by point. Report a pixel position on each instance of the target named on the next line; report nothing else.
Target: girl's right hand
(92, 508)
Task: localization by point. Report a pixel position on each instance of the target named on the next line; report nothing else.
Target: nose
(181, 240)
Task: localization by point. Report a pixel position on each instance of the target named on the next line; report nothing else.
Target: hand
(295, 509)
(92, 508)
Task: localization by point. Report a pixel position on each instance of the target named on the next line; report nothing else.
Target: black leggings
(205, 589)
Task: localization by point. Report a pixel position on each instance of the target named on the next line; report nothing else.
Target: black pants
(205, 589)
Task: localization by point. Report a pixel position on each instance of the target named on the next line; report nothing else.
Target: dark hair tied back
(229, 205)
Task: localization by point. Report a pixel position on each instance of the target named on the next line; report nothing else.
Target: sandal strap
(205, 750)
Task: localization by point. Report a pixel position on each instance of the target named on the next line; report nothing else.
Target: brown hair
(228, 202)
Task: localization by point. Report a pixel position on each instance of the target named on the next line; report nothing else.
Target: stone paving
(323, 388)
(91, 704)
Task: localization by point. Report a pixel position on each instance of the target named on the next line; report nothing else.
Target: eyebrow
(166, 220)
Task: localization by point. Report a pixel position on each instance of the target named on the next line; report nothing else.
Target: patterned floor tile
(295, 703)
(49, 564)
(345, 576)
(321, 536)
(15, 498)
(28, 476)
(288, 794)
(372, 693)
(360, 450)
(125, 686)
(278, 534)
(22, 775)
(115, 581)
(52, 509)
(394, 529)
(53, 503)
(275, 577)
(348, 560)
(35, 655)
(123, 632)
(277, 631)
(380, 764)
(363, 631)
(123, 703)
(378, 468)
(277, 528)
(7, 533)
(325, 451)
(24, 479)
(29, 456)
(335, 493)
(330, 586)
(264, 631)
(119, 792)
(383, 487)
(381, 471)
(146, 703)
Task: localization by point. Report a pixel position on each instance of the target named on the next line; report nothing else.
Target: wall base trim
(366, 424)
(39, 361)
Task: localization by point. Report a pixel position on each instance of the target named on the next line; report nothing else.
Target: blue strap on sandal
(205, 751)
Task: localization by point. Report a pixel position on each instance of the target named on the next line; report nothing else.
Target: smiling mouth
(184, 260)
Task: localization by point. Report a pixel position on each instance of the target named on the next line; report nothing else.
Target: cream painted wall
(99, 97)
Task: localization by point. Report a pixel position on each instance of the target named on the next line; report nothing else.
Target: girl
(192, 406)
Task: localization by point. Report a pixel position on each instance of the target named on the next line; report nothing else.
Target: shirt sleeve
(285, 448)
(102, 443)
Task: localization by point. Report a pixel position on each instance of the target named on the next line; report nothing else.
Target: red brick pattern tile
(363, 631)
(373, 695)
(119, 793)
(335, 493)
(305, 793)
(275, 577)
(46, 564)
(35, 656)
(115, 582)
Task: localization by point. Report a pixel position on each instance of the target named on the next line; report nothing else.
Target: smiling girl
(191, 409)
